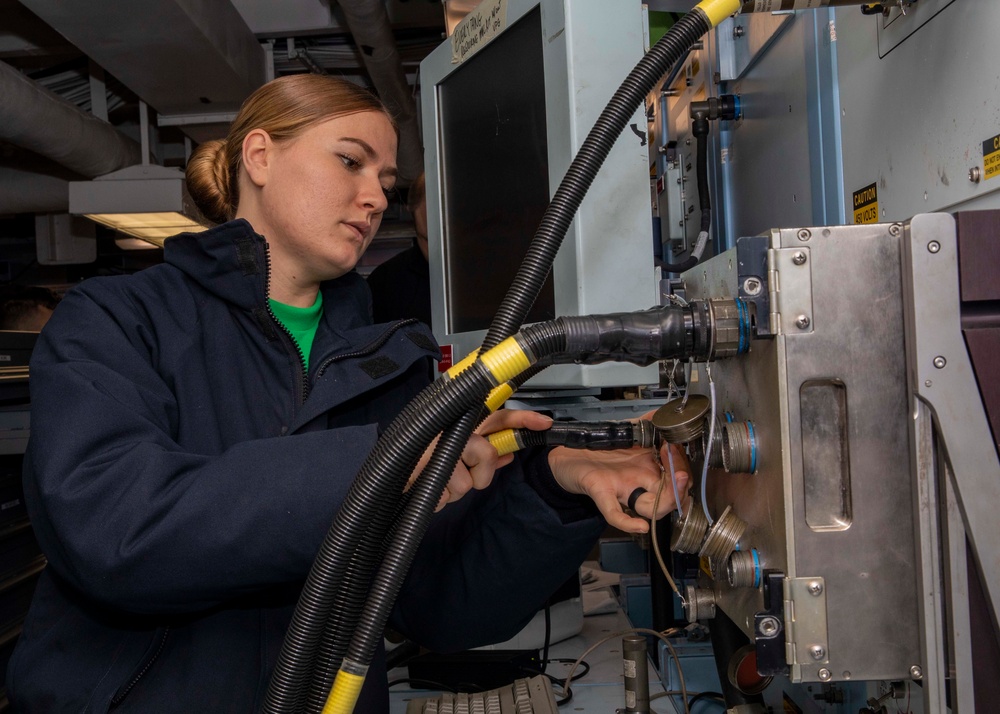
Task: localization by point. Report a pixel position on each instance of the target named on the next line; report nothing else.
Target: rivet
(933, 246)
(940, 362)
(825, 675)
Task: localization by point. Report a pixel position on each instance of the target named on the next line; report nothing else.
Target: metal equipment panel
(831, 496)
(915, 119)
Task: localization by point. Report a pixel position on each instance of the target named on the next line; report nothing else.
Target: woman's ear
(257, 153)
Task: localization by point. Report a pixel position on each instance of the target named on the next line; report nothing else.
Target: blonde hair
(283, 108)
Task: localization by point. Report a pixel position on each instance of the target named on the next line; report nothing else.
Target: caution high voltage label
(866, 204)
(991, 157)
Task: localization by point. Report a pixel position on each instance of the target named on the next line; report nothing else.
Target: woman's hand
(479, 459)
(610, 477)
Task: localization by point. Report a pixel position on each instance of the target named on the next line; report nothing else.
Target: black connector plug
(701, 330)
(726, 107)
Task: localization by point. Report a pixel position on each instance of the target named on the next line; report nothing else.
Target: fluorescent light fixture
(146, 201)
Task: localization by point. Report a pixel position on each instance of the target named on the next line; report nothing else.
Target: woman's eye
(350, 162)
(389, 192)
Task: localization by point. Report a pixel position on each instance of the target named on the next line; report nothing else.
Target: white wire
(673, 480)
(670, 456)
(708, 449)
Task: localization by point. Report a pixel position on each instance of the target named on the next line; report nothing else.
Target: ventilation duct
(369, 24)
(38, 120)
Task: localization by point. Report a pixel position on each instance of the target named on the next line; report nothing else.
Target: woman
(196, 425)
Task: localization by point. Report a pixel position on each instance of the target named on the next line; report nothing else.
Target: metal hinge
(774, 290)
(807, 648)
(789, 275)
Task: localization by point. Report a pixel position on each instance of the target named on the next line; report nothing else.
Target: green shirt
(301, 322)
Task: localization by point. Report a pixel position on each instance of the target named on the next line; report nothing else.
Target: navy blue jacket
(182, 471)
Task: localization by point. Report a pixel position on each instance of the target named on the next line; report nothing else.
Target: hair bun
(208, 181)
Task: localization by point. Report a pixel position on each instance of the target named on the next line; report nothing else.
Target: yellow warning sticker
(866, 204)
(991, 157)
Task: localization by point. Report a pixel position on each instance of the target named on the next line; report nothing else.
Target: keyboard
(532, 695)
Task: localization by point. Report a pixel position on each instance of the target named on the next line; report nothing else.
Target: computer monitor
(506, 103)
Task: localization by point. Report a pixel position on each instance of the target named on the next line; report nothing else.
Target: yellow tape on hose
(498, 397)
(505, 442)
(718, 10)
(506, 360)
(345, 693)
(463, 365)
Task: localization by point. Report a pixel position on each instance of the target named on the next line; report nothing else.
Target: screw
(768, 626)
(825, 675)
(933, 246)
(815, 588)
(752, 286)
(974, 174)
(738, 31)
(894, 229)
(916, 672)
(799, 258)
(940, 362)
(802, 322)
(805, 234)
(817, 652)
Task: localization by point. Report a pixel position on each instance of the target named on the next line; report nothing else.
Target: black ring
(634, 496)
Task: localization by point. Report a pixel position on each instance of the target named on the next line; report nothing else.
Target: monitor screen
(503, 117)
(495, 175)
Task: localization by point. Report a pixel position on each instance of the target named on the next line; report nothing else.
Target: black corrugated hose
(402, 444)
(540, 340)
(407, 435)
(334, 645)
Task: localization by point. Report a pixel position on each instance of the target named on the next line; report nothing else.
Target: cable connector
(701, 330)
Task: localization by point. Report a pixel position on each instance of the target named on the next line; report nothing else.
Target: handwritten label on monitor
(481, 25)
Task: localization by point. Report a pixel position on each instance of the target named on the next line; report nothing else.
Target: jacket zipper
(120, 697)
(304, 376)
(367, 349)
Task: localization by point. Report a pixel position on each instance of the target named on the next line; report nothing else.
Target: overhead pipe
(368, 21)
(36, 119)
(26, 191)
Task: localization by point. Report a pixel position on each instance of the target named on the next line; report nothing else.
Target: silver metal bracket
(949, 424)
(807, 649)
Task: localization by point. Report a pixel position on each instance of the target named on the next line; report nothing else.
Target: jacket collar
(231, 261)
